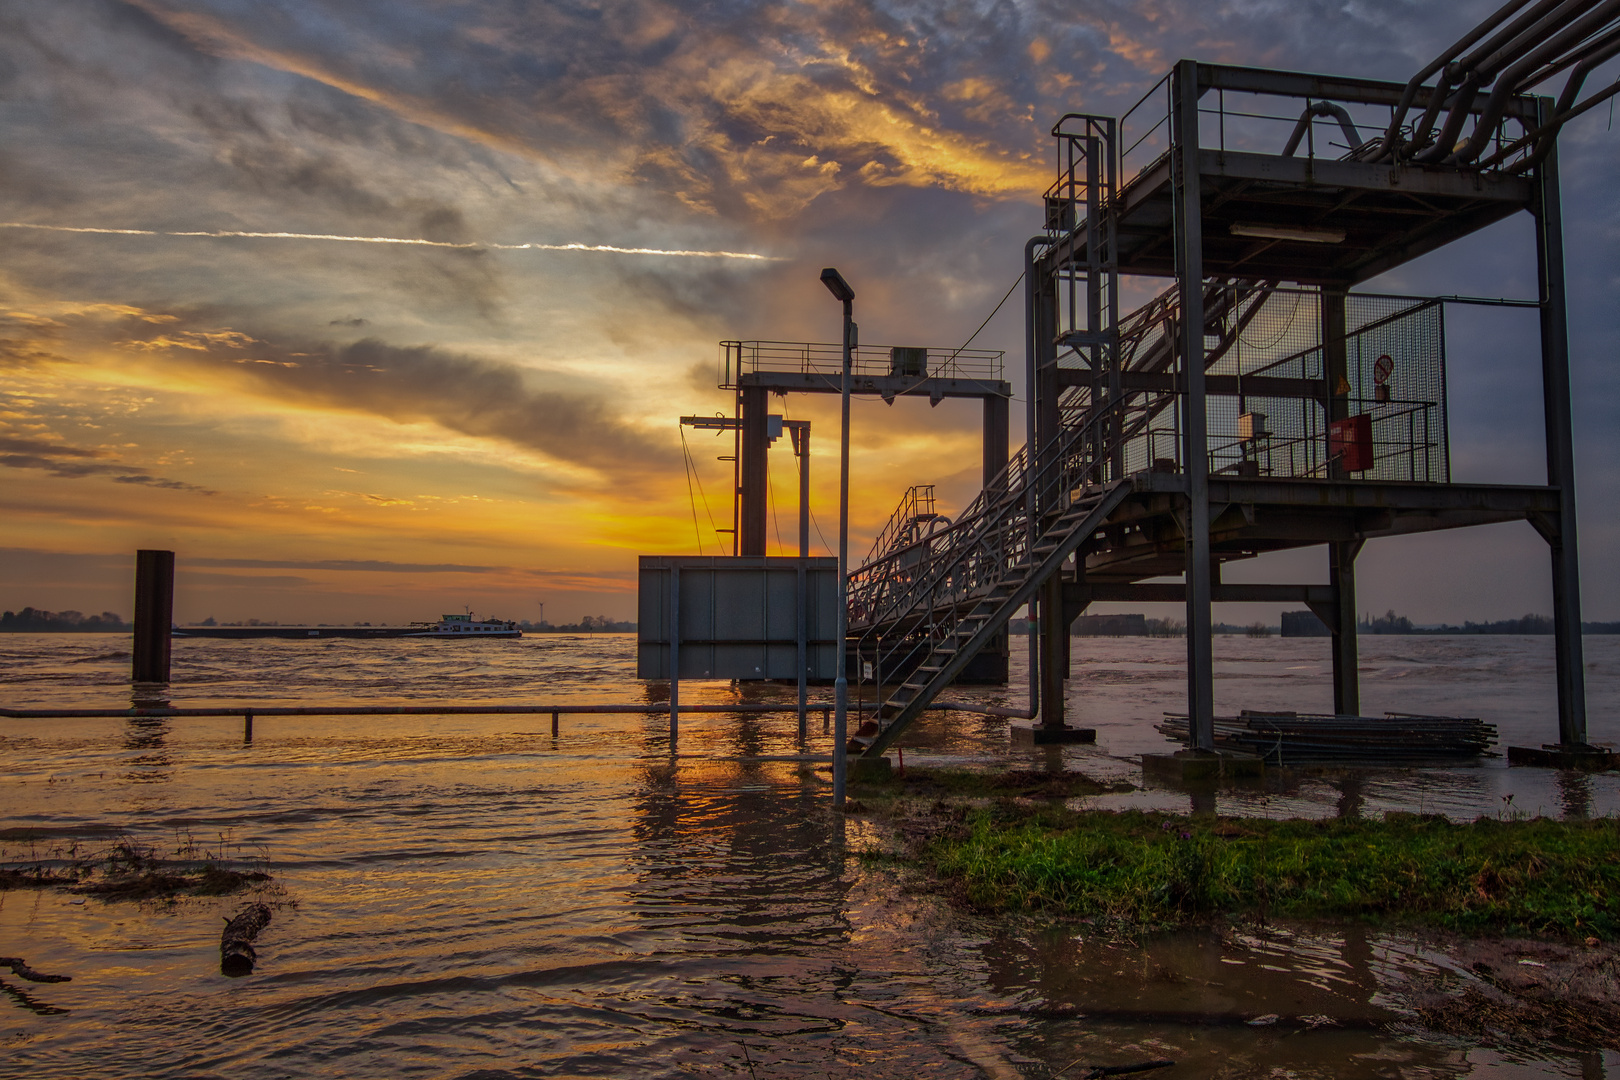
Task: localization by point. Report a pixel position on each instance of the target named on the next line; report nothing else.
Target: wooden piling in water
(154, 615)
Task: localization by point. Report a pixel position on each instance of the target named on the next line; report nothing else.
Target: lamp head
(837, 285)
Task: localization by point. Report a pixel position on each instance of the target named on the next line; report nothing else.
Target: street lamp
(845, 295)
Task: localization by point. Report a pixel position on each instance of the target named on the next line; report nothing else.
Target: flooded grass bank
(1529, 876)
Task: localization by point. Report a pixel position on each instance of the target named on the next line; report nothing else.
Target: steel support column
(751, 486)
(1054, 667)
(1195, 442)
(996, 422)
(1346, 657)
(1555, 392)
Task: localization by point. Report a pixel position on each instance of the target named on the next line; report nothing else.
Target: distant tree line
(1306, 625)
(590, 624)
(35, 621)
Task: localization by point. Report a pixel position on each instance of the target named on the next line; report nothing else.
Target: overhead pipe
(1512, 80)
(1323, 108)
(1520, 54)
(1496, 55)
(1387, 146)
(1504, 46)
(1544, 136)
(1458, 70)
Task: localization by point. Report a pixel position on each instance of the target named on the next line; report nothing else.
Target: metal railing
(824, 359)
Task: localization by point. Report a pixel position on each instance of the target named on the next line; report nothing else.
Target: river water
(471, 896)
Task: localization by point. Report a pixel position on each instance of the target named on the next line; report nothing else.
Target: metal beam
(1346, 680)
(1555, 391)
(752, 485)
(1195, 450)
(1175, 592)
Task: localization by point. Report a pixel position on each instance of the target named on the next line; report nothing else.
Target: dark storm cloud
(417, 383)
(77, 462)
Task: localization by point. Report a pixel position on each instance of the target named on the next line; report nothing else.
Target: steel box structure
(738, 617)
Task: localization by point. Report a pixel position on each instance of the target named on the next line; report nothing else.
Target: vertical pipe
(841, 681)
(154, 615)
(802, 631)
(1031, 318)
(1342, 574)
(1555, 393)
(1195, 442)
(803, 446)
(674, 656)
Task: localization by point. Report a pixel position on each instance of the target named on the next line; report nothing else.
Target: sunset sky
(328, 427)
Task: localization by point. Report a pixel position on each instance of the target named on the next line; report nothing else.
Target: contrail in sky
(234, 234)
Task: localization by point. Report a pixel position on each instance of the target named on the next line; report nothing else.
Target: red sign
(1350, 442)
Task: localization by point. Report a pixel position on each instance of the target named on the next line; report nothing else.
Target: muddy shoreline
(1551, 990)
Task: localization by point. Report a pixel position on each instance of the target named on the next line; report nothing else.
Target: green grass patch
(1531, 876)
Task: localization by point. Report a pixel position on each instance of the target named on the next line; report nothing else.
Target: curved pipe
(1493, 56)
(1387, 145)
(1509, 42)
(1323, 108)
(1510, 81)
(1547, 134)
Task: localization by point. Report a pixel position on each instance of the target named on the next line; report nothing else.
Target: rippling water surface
(477, 898)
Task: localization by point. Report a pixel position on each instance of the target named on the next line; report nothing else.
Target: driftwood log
(20, 968)
(236, 954)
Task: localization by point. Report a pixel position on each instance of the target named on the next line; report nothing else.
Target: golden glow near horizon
(368, 317)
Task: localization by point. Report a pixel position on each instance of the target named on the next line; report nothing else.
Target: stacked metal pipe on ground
(1306, 739)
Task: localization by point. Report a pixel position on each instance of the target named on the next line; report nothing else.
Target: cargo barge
(453, 627)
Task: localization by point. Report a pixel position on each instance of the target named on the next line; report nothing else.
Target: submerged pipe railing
(249, 712)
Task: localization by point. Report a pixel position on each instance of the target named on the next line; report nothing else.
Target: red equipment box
(1350, 441)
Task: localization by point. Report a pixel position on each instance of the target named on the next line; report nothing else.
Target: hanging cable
(701, 493)
(990, 316)
(770, 488)
(686, 458)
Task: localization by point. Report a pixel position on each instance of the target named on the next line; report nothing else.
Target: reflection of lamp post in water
(845, 295)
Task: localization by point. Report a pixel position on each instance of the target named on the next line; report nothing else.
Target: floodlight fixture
(836, 285)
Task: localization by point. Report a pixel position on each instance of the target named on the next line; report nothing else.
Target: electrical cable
(770, 488)
(686, 459)
(701, 493)
(990, 316)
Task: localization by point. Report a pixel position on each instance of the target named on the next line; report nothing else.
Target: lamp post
(845, 295)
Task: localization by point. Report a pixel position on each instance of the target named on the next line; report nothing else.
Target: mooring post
(247, 726)
(1555, 394)
(154, 615)
(554, 724)
(1195, 443)
(674, 654)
